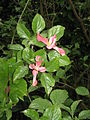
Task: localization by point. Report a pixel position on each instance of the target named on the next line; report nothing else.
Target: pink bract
(60, 50)
(41, 39)
(51, 44)
(36, 68)
(34, 72)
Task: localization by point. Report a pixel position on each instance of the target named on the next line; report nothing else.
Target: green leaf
(74, 106)
(52, 65)
(47, 82)
(60, 73)
(38, 23)
(41, 53)
(64, 60)
(82, 91)
(58, 30)
(58, 96)
(22, 31)
(19, 55)
(53, 54)
(15, 47)
(17, 90)
(8, 114)
(85, 114)
(62, 106)
(68, 102)
(3, 73)
(26, 42)
(44, 33)
(67, 117)
(44, 118)
(28, 55)
(76, 118)
(32, 88)
(13, 65)
(40, 104)
(31, 114)
(20, 72)
(85, 58)
(53, 113)
(67, 51)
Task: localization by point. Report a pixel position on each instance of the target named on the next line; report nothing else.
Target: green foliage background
(54, 12)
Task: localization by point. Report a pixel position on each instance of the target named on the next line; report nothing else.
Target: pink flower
(36, 68)
(51, 44)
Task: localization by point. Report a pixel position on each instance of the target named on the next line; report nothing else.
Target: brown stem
(41, 8)
(65, 84)
(53, 12)
(48, 22)
(88, 86)
(45, 3)
(80, 20)
(81, 75)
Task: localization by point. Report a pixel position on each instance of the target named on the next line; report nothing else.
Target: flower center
(36, 68)
(48, 44)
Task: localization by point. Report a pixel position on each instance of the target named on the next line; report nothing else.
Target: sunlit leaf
(38, 23)
(47, 82)
(22, 31)
(40, 104)
(58, 30)
(31, 114)
(53, 113)
(20, 72)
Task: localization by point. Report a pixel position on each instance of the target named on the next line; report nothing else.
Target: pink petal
(38, 64)
(34, 72)
(52, 39)
(52, 42)
(34, 83)
(42, 69)
(60, 50)
(32, 66)
(37, 58)
(41, 39)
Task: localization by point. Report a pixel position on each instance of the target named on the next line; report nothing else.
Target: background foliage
(74, 78)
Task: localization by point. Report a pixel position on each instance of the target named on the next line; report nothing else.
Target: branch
(45, 3)
(41, 8)
(82, 74)
(80, 20)
(20, 19)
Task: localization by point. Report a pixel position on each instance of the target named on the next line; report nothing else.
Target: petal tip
(34, 83)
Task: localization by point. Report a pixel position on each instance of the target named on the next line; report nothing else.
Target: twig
(53, 12)
(45, 3)
(41, 8)
(65, 84)
(20, 20)
(81, 75)
(80, 20)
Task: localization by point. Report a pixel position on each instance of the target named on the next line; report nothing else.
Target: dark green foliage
(68, 78)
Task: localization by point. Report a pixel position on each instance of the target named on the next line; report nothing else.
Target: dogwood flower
(51, 44)
(36, 68)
